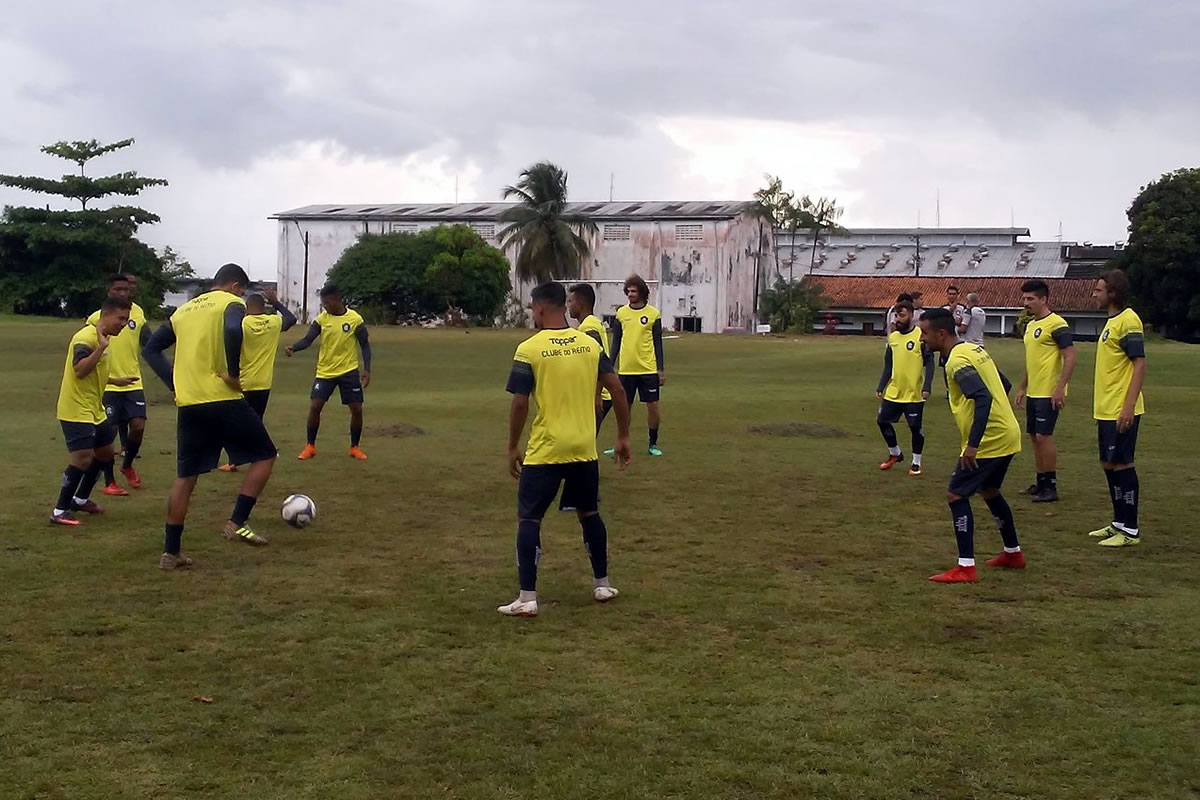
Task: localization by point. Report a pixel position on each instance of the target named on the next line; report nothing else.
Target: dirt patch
(397, 430)
(813, 430)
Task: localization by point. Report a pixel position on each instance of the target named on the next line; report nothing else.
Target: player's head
(114, 315)
(331, 300)
(1035, 296)
(548, 302)
(951, 295)
(132, 280)
(1112, 290)
(636, 289)
(904, 314)
(972, 299)
(231, 278)
(904, 298)
(937, 329)
(119, 286)
(581, 301)
(255, 303)
(916, 299)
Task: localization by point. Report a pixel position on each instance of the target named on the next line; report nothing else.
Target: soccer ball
(298, 510)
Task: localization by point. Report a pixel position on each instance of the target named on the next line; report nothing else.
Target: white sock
(1125, 529)
(894, 451)
(598, 582)
(1012, 549)
(79, 501)
(916, 459)
(58, 512)
(966, 562)
(526, 597)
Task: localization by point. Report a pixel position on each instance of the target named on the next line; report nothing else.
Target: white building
(699, 258)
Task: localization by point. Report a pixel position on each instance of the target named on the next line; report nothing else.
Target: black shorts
(1040, 416)
(988, 475)
(539, 485)
(644, 386)
(205, 430)
(86, 436)
(349, 384)
(1117, 448)
(914, 413)
(124, 406)
(257, 398)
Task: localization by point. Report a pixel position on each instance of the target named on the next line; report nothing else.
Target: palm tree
(822, 217)
(550, 242)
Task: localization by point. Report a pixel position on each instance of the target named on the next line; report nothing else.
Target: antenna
(612, 179)
(1060, 231)
(1012, 217)
(455, 190)
(938, 213)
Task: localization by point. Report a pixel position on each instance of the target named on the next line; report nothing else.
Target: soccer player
(990, 439)
(260, 341)
(889, 320)
(953, 306)
(213, 414)
(342, 333)
(85, 423)
(581, 305)
(904, 387)
(559, 368)
(126, 403)
(638, 353)
(1117, 406)
(1049, 363)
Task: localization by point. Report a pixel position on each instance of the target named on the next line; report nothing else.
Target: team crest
(1104, 336)
(132, 324)
(911, 345)
(346, 327)
(645, 319)
(1037, 332)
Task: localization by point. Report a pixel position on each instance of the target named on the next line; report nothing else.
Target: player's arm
(656, 335)
(622, 451)
(886, 375)
(289, 319)
(314, 330)
(144, 335)
(234, 314)
(360, 335)
(1133, 344)
(520, 386)
(599, 384)
(617, 331)
(973, 388)
(162, 339)
(84, 359)
(1066, 346)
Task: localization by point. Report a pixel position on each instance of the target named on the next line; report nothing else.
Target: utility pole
(612, 179)
(304, 295)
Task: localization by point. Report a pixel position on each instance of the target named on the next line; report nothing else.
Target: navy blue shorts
(1116, 447)
(988, 475)
(1040, 416)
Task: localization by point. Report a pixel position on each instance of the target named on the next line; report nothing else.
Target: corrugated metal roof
(1041, 260)
(845, 291)
(699, 209)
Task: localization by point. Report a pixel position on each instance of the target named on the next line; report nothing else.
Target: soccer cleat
(915, 470)
(309, 451)
(243, 533)
(114, 490)
(956, 575)
(1107, 532)
(654, 451)
(1047, 495)
(169, 561)
(602, 594)
(228, 468)
(131, 475)
(891, 461)
(610, 451)
(517, 608)
(1010, 560)
(66, 518)
(89, 507)
(1121, 539)
(1032, 488)
(357, 453)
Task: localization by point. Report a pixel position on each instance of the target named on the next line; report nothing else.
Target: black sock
(1114, 494)
(889, 434)
(355, 435)
(70, 483)
(964, 527)
(1051, 480)
(653, 436)
(529, 553)
(595, 539)
(131, 452)
(109, 478)
(123, 433)
(1128, 488)
(173, 539)
(1041, 481)
(89, 478)
(242, 508)
(312, 433)
(1002, 513)
(918, 441)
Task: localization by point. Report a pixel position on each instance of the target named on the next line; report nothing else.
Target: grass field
(775, 636)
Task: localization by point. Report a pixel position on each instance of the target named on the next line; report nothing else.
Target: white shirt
(974, 319)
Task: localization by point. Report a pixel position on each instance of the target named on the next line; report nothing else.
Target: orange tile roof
(845, 291)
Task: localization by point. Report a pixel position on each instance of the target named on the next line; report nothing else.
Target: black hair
(115, 304)
(585, 291)
(550, 292)
(905, 304)
(939, 319)
(1036, 286)
(951, 287)
(904, 298)
(330, 290)
(256, 299)
(116, 278)
(1118, 287)
(229, 275)
(636, 280)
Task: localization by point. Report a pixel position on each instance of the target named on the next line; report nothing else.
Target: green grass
(775, 636)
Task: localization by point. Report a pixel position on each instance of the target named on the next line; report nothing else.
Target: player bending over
(904, 387)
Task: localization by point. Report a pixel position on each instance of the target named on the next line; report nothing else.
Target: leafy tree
(820, 216)
(1162, 258)
(550, 242)
(772, 207)
(446, 270)
(792, 307)
(55, 261)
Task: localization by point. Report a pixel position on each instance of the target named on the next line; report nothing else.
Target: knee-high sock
(529, 553)
(1002, 513)
(918, 439)
(1126, 491)
(355, 434)
(964, 530)
(595, 539)
(1114, 494)
(89, 478)
(70, 484)
(131, 452)
(889, 435)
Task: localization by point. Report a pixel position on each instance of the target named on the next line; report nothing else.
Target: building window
(486, 230)
(689, 233)
(616, 233)
(688, 324)
(403, 227)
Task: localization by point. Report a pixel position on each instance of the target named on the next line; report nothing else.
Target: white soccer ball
(298, 510)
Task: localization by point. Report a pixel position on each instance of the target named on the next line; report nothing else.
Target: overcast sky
(1038, 111)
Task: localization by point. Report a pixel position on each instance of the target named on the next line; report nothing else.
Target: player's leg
(1046, 455)
(650, 394)
(963, 484)
(112, 408)
(1106, 439)
(192, 445)
(630, 384)
(536, 490)
(356, 427)
(257, 398)
(889, 415)
(246, 439)
(135, 415)
(1126, 489)
(177, 508)
(80, 439)
(582, 491)
(102, 458)
(914, 414)
(321, 392)
(1012, 557)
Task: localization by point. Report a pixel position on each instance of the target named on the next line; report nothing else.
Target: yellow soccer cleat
(1107, 532)
(1121, 539)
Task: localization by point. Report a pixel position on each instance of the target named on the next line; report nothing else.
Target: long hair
(643, 289)
(1118, 287)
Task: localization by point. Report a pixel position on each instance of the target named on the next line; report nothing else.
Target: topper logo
(562, 342)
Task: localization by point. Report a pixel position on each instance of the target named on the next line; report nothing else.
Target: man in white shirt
(970, 328)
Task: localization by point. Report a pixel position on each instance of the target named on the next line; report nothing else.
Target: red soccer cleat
(357, 453)
(64, 519)
(131, 475)
(309, 451)
(1010, 560)
(891, 462)
(957, 575)
(114, 490)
